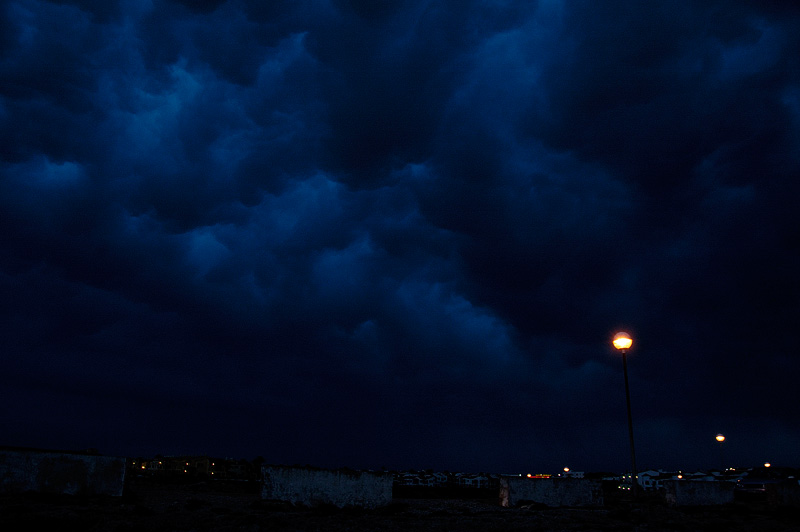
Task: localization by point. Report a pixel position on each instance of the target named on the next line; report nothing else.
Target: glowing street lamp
(721, 438)
(622, 342)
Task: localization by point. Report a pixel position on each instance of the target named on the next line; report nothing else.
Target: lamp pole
(721, 438)
(622, 342)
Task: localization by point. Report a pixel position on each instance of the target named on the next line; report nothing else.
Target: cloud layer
(401, 234)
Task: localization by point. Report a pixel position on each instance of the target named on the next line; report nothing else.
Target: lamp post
(721, 438)
(622, 342)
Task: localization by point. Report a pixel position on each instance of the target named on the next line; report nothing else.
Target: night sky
(401, 233)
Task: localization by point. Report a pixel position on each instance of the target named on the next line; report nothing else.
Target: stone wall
(313, 487)
(788, 493)
(697, 493)
(62, 473)
(554, 492)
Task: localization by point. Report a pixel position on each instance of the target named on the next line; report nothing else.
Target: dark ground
(199, 506)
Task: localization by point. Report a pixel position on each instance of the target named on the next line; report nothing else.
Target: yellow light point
(767, 464)
(566, 470)
(720, 438)
(529, 475)
(622, 341)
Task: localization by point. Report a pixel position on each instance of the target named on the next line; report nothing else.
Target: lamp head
(622, 341)
(720, 438)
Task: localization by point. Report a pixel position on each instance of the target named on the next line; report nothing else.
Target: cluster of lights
(186, 470)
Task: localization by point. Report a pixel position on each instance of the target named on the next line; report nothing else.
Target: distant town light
(622, 341)
(720, 438)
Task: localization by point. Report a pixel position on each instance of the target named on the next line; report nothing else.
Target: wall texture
(788, 493)
(555, 492)
(697, 493)
(313, 487)
(63, 473)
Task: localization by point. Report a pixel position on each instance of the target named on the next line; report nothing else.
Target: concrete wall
(788, 493)
(312, 487)
(554, 492)
(697, 492)
(62, 473)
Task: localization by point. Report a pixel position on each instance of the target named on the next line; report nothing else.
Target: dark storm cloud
(399, 233)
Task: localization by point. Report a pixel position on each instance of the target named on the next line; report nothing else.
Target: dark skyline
(401, 234)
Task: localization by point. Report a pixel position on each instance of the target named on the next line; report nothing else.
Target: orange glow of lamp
(622, 341)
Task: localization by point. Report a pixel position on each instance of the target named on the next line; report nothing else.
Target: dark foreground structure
(47, 490)
(64, 473)
(154, 506)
